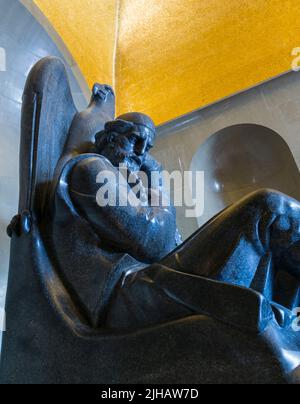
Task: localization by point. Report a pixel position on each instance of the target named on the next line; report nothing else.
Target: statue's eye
(133, 139)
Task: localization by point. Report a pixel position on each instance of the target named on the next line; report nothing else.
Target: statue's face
(129, 148)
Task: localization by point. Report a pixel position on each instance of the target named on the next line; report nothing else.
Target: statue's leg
(245, 242)
(244, 246)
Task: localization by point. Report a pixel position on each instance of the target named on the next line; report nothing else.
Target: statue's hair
(121, 126)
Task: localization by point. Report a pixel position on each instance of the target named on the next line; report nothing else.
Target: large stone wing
(47, 113)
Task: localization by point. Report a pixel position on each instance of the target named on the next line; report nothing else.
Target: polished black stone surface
(108, 294)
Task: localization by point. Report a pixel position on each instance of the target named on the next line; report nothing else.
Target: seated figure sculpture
(124, 268)
(256, 237)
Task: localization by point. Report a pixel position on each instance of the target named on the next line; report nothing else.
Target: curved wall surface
(185, 142)
(170, 57)
(241, 159)
(23, 41)
(85, 31)
(176, 56)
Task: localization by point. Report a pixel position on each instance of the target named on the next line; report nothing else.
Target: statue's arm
(156, 185)
(147, 233)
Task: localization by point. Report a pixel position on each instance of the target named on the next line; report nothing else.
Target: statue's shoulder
(84, 173)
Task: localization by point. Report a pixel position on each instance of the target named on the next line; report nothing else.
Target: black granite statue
(109, 294)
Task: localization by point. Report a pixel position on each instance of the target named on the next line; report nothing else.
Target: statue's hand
(143, 191)
(101, 91)
(149, 167)
(20, 224)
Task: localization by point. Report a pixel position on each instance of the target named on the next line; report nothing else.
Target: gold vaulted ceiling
(170, 57)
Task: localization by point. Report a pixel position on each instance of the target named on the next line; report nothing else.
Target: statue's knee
(265, 194)
(268, 199)
(275, 202)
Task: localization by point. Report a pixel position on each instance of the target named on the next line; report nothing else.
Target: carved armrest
(20, 224)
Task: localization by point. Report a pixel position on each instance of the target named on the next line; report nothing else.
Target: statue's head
(127, 140)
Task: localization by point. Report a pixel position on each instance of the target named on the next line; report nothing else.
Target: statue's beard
(131, 161)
